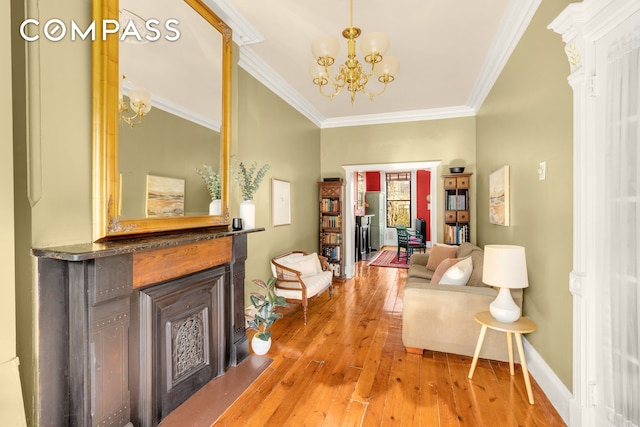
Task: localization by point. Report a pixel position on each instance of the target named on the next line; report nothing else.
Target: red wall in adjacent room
(423, 189)
(373, 181)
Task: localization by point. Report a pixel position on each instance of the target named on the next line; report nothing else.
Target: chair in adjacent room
(410, 241)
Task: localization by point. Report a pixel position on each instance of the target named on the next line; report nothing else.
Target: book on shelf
(331, 238)
(457, 234)
(457, 202)
(331, 222)
(330, 205)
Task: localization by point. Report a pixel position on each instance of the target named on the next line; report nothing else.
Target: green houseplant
(265, 305)
(249, 180)
(212, 181)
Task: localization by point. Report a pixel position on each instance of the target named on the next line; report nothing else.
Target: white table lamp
(505, 266)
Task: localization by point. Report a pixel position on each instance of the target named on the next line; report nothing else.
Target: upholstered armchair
(301, 276)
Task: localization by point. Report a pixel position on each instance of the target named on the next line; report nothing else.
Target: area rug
(388, 259)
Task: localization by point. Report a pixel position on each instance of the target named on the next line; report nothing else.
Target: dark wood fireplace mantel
(89, 323)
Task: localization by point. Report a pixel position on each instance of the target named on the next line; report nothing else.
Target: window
(398, 199)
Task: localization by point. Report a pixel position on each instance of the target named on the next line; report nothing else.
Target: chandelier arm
(373, 95)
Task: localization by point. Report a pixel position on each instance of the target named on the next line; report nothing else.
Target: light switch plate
(542, 171)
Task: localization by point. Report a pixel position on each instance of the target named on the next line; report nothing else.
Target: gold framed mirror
(145, 174)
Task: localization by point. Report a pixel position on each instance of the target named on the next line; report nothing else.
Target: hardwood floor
(347, 367)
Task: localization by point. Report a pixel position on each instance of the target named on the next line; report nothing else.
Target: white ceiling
(450, 51)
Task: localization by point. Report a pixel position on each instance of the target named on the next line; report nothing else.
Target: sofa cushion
(306, 265)
(315, 285)
(458, 274)
(421, 271)
(439, 253)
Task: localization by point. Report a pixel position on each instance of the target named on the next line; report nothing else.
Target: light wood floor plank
(348, 367)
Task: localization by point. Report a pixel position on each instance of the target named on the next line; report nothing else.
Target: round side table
(521, 326)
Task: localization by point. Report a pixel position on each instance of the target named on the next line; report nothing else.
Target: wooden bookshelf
(331, 204)
(457, 207)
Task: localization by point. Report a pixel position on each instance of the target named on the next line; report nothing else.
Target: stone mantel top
(86, 251)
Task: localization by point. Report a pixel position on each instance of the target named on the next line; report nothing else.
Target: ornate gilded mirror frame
(106, 222)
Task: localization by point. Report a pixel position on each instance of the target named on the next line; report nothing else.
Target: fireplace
(129, 330)
(181, 344)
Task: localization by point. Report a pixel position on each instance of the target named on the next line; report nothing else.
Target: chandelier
(139, 105)
(351, 74)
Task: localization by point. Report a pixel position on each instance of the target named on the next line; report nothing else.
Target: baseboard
(557, 393)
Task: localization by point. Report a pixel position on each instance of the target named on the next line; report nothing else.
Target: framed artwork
(499, 196)
(281, 202)
(165, 196)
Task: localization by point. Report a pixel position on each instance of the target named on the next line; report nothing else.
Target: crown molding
(513, 25)
(243, 32)
(400, 117)
(259, 69)
(175, 109)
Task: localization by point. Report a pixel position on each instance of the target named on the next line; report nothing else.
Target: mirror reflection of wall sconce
(139, 104)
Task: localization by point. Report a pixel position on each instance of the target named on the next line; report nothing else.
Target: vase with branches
(249, 178)
(212, 181)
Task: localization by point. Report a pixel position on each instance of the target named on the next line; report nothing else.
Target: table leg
(477, 352)
(523, 362)
(510, 350)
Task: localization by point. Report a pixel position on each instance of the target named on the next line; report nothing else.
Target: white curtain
(620, 290)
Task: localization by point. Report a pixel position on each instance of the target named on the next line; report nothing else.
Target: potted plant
(211, 180)
(265, 314)
(249, 180)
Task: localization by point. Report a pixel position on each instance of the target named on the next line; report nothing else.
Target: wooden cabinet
(457, 199)
(331, 196)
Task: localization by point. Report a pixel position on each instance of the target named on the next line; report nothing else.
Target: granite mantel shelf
(86, 251)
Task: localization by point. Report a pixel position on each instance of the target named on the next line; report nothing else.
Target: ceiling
(450, 51)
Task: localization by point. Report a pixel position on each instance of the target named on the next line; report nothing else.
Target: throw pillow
(458, 274)
(306, 265)
(442, 268)
(439, 253)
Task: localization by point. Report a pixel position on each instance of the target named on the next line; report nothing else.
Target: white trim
(243, 32)
(555, 390)
(515, 22)
(175, 109)
(399, 117)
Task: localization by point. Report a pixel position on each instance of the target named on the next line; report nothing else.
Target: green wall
(271, 131)
(527, 118)
(451, 141)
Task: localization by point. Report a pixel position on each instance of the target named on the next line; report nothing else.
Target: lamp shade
(372, 43)
(505, 266)
(325, 46)
(388, 66)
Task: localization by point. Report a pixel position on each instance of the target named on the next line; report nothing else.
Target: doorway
(352, 206)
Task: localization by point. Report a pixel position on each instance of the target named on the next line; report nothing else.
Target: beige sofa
(440, 317)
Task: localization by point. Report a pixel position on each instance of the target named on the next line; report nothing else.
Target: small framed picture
(280, 202)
